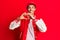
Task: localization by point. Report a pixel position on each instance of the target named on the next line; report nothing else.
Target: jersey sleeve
(41, 25)
(14, 25)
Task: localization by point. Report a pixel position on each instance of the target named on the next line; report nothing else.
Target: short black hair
(31, 4)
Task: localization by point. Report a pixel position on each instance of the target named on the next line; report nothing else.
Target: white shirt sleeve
(14, 25)
(41, 25)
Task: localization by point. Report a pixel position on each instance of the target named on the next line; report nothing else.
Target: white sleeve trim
(41, 25)
(14, 25)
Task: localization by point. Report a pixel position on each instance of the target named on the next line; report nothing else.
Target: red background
(48, 10)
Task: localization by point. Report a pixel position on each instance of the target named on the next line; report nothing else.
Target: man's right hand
(22, 16)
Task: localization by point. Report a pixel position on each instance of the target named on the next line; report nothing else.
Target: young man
(28, 24)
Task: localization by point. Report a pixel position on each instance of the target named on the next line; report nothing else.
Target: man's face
(31, 8)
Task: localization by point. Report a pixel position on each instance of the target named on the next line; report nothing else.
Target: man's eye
(32, 7)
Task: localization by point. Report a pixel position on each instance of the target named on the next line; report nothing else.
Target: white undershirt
(30, 32)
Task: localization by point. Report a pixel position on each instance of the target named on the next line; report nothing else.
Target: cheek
(33, 9)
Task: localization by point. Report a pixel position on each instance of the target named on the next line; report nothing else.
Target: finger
(24, 13)
(25, 18)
